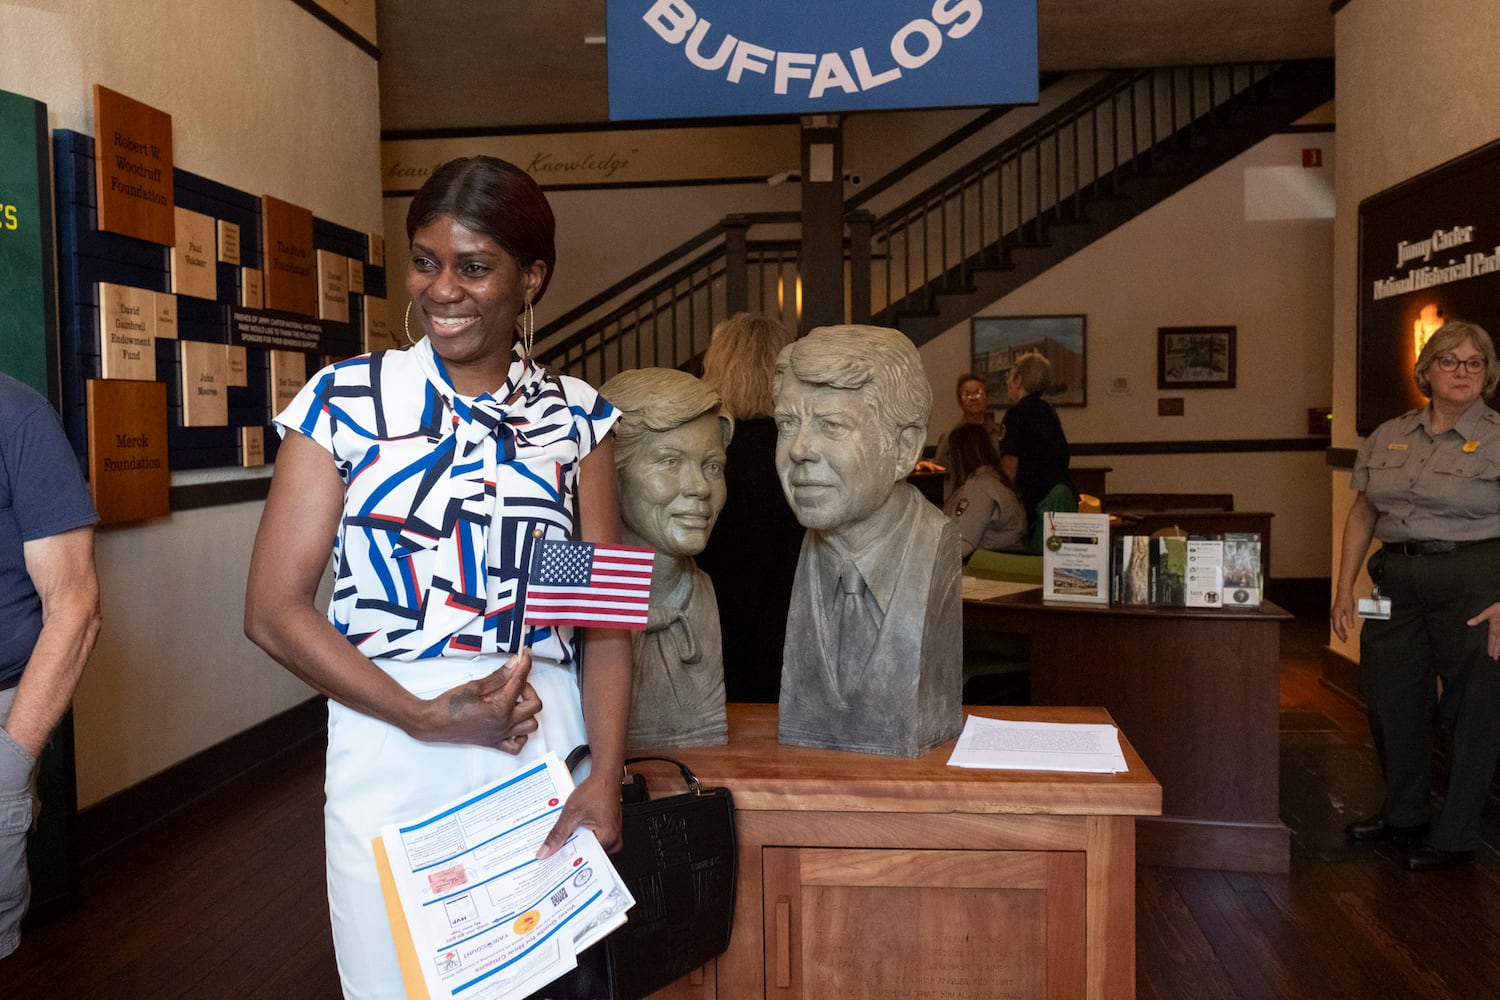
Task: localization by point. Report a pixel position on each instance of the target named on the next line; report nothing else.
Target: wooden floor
(225, 900)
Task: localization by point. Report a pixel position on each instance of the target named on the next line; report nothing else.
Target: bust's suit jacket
(908, 698)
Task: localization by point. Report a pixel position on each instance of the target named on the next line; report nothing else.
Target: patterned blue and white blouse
(445, 497)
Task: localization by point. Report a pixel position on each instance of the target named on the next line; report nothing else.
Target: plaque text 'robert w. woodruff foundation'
(133, 167)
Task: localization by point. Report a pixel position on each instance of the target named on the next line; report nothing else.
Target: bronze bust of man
(873, 660)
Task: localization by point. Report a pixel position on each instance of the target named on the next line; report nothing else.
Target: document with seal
(1038, 746)
(474, 913)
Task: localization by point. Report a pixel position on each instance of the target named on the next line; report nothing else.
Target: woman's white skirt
(378, 775)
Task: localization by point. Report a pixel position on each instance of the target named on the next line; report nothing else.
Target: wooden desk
(882, 877)
(930, 484)
(1196, 690)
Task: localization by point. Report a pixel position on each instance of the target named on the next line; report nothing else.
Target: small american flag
(581, 583)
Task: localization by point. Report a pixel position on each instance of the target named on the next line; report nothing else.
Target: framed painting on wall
(996, 341)
(1195, 357)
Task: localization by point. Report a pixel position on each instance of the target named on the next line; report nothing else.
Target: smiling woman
(482, 253)
(437, 471)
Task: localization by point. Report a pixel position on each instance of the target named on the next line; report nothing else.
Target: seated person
(985, 505)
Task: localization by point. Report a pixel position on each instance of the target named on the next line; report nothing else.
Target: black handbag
(680, 861)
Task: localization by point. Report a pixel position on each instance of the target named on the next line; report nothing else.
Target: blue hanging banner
(729, 58)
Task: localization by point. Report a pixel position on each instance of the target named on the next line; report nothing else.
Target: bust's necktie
(857, 626)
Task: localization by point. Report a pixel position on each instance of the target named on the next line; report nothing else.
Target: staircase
(1099, 159)
(1110, 154)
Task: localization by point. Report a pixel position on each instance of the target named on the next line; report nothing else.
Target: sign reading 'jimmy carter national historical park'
(725, 58)
(1429, 251)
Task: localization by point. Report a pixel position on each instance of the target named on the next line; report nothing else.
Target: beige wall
(1197, 259)
(267, 99)
(1423, 93)
(604, 234)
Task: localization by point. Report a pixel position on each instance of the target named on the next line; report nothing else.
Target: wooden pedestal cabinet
(876, 877)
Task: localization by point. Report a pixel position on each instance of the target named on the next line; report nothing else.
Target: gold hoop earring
(526, 327)
(407, 324)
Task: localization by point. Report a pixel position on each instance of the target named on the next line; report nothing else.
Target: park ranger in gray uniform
(1428, 487)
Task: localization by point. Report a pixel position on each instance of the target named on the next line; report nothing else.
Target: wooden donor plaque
(195, 270)
(205, 384)
(252, 447)
(288, 373)
(356, 276)
(289, 281)
(127, 332)
(127, 439)
(133, 167)
(333, 286)
(229, 243)
(239, 366)
(376, 249)
(251, 291)
(378, 333)
(166, 315)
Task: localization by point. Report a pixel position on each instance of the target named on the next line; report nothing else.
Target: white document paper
(978, 588)
(1038, 746)
(487, 919)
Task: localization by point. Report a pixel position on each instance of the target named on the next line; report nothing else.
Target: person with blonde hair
(752, 554)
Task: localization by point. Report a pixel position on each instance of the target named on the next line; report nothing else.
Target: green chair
(1015, 567)
(1059, 500)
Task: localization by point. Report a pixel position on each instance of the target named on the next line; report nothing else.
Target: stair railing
(663, 314)
(1044, 175)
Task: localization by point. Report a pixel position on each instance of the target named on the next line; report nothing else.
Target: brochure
(1130, 570)
(1242, 583)
(1169, 571)
(1075, 558)
(474, 912)
(1205, 572)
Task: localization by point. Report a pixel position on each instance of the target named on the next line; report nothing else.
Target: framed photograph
(1195, 357)
(996, 341)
